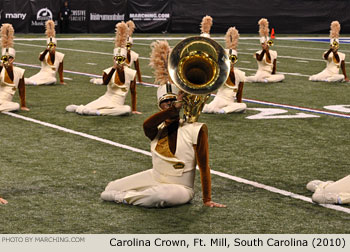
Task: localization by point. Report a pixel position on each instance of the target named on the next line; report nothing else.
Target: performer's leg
(336, 78)
(8, 106)
(214, 106)
(163, 195)
(235, 108)
(120, 110)
(275, 78)
(97, 81)
(250, 79)
(322, 76)
(333, 193)
(72, 108)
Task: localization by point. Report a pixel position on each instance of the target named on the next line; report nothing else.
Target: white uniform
(331, 73)
(8, 89)
(133, 57)
(224, 102)
(171, 180)
(330, 192)
(47, 74)
(265, 68)
(112, 102)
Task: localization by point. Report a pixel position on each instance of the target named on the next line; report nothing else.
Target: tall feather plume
(231, 38)
(131, 26)
(7, 35)
(335, 29)
(263, 27)
(121, 34)
(206, 24)
(50, 29)
(159, 61)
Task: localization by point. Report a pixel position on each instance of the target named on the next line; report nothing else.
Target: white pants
(96, 81)
(41, 78)
(226, 106)
(263, 76)
(150, 189)
(337, 192)
(102, 106)
(7, 106)
(327, 76)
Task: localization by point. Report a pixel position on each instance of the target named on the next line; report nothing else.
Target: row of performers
(228, 98)
(177, 146)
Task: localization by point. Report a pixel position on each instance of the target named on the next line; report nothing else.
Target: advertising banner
(17, 13)
(41, 11)
(78, 19)
(105, 14)
(150, 16)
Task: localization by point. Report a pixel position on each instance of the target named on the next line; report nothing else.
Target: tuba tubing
(198, 65)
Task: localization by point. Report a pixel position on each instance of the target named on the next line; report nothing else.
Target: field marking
(317, 111)
(147, 153)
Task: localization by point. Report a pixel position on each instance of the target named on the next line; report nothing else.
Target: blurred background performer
(229, 96)
(119, 79)
(330, 192)
(11, 77)
(132, 57)
(176, 147)
(333, 58)
(206, 24)
(266, 58)
(51, 61)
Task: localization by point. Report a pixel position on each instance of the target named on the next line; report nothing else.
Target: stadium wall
(179, 16)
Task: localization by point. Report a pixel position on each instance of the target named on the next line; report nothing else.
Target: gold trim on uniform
(179, 165)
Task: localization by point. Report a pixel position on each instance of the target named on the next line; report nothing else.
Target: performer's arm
(137, 68)
(336, 56)
(60, 72)
(239, 94)
(107, 77)
(150, 126)
(22, 94)
(325, 56)
(344, 70)
(202, 156)
(133, 97)
(260, 56)
(274, 66)
(43, 54)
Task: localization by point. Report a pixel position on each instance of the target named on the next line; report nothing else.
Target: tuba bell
(198, 66)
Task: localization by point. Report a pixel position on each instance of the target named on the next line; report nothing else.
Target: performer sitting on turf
(119, 79)
(176, 147)
(11, 77)
(229, 96)
(333, 58)
(51, 61)
(330, 192)
(131, 58)
(266, 58)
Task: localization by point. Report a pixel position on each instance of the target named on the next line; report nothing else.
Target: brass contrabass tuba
(198, 66)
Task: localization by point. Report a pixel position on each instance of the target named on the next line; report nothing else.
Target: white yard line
(147, 153)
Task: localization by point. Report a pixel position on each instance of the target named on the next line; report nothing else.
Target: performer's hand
(213, 204)
(3, 201)
(25, 108)
(136, 112)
